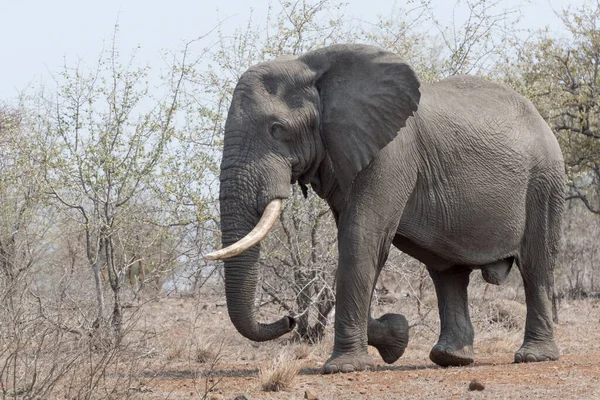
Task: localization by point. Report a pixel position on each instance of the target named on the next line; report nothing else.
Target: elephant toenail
(530, 358)
(348, 368)
(330, 369)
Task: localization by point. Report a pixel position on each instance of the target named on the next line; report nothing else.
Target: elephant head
(341, 103)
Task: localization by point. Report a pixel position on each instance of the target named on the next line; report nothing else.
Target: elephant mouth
(266, 222)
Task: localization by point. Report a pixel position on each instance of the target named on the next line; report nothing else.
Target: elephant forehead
(280, 78)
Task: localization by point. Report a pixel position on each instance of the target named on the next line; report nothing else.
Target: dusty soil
(573, 377)
(221, 359)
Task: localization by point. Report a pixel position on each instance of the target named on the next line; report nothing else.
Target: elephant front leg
(361, 255)
(389, 335)
(354, 281)
(455, 344)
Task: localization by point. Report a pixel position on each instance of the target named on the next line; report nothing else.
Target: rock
(387, 299)
(243, 397)
(311, 394)
(476, 385)
(216, 396)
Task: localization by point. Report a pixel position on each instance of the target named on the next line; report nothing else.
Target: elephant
(461, 174)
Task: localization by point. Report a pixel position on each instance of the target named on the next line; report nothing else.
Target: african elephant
(462, 174)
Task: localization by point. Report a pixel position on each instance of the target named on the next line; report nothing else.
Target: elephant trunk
(241, 275)
(241, 278)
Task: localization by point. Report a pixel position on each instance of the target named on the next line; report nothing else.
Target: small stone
(243, 397)
(476, 385)
(216, 396)
(311, 394)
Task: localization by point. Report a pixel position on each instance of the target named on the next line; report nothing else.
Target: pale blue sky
(37, 36)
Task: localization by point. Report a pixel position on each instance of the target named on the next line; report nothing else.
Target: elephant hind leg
(536, 263)
(538, 344)
(455, 343)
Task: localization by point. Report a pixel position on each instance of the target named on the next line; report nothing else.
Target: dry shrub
(47, 352)
(178, 343)
(280, 374)
(175, 352)
(302, 351)
(322, 350)
(508, 314)
(206, 352)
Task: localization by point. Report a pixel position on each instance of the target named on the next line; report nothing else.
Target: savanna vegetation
(109, 195)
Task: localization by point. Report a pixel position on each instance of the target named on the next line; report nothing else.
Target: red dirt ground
(575, 376)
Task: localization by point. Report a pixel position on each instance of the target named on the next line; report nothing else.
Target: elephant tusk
(261, 229)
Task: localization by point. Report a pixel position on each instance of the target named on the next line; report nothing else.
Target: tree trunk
(99, 293)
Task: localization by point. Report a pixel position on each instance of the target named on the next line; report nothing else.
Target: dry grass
(302, 351)
(207, 348)
(175, 350)
(280, 374)
(205, 352)
(507, 313)
(498, 343)
(184, 337)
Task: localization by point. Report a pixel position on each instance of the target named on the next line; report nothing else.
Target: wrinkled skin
(462, 174)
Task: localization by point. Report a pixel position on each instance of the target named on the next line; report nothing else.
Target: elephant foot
(348, 363)
(389, 335)
(447, 356)
(537, 351)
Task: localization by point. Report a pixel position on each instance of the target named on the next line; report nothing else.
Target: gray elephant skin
(462, 174)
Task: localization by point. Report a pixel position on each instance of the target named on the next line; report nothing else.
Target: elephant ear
(366, 95)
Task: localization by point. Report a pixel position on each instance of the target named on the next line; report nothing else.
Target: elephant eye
(279, 132)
